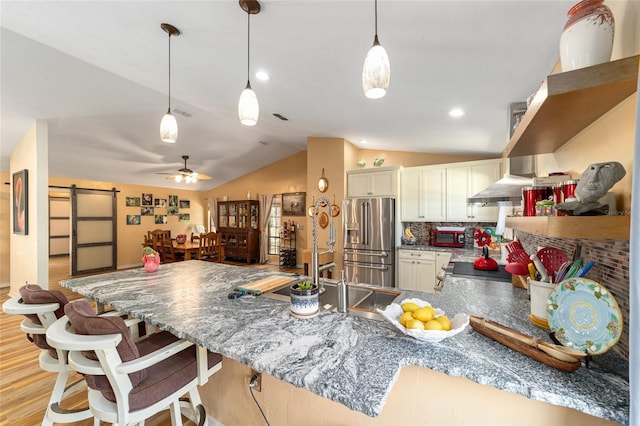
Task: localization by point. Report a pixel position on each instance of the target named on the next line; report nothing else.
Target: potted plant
(304, 299)
(150, 259)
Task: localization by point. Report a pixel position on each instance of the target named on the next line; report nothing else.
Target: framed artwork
(172, 210)
(133, 219)
(20, 202)
(147, 200)
(160, 203)
(161, 219)
(173, 201)
(146, 211)
(185, 204)
(185, 217)
(133, 201)
(293, 204)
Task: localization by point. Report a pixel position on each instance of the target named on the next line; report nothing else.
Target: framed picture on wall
(147, 200)
(161, 203)
(172, 211)
(133, 219)
(185, 204)
(293, 204)
(161, 219)
(133, 201)
(185, 217)
(146, 211)
(20, 202)
(173, 201)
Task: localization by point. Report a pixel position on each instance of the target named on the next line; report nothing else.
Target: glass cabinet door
(233, 211)
(254, 216)
(223, 217)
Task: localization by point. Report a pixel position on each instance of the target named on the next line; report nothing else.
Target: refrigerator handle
(365, 223)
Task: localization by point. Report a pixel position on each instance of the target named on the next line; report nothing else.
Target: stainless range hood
(508, 190)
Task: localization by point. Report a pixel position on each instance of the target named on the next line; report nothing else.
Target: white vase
(587, 38)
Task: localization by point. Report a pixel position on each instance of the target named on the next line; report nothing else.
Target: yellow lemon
(405, 317)
(446, 324)
(433, 325)
(423, 314)
(414, 324)
(409, 307)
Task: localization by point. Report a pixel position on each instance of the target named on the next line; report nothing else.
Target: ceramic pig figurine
(150, 259)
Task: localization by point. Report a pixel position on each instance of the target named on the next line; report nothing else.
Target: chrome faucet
(315, 264)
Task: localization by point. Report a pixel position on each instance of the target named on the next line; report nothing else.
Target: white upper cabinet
(439, 193)
(382, 182)
(464, 181)
(423, 194)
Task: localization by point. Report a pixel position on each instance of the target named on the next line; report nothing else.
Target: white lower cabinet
(417, 270)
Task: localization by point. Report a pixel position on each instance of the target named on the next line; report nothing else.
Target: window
(275, 223)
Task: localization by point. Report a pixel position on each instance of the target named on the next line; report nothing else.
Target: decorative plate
(584, 315)
(393, 311)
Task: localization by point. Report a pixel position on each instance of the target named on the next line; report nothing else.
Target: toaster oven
(451, 237)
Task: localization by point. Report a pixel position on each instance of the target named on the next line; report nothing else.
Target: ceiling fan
(187, 175)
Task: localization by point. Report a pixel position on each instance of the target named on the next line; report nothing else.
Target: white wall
(30, 253)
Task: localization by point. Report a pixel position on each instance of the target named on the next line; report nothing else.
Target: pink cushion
(33, 294)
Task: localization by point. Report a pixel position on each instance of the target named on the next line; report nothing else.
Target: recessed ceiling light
(262, 75)
(456, 112)
(364, 141)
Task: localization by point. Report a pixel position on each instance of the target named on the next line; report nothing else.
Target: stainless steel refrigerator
(369, 240)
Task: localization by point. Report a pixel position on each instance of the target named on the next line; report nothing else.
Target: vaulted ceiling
(97, 71)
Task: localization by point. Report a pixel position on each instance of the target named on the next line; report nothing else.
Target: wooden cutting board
(265, 284)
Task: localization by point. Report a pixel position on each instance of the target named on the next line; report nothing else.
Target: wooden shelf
(587, 227)
(568, 102)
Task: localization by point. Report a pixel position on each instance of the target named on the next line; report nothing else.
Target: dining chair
(131, 381)
(41, 308)
(195, 237)
(211, 248)
(168, 253)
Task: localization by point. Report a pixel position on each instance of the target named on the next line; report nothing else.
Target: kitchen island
(358, 365)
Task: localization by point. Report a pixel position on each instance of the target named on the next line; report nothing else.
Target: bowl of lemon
(418, 319)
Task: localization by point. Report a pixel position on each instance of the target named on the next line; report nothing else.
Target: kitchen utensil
(335, 209)
(575, 267)
(520, 256)
(485, 263)
(584, 315)
(551, 259)
(583, 271)
(532, 271)
(524, 344)
(544, 277)
(520, 270)
(561, 272)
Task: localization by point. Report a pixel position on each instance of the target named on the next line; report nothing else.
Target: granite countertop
(352, 360)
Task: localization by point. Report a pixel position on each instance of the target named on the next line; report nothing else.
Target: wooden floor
(24, 387)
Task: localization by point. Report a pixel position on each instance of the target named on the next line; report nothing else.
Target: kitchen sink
(363, 300)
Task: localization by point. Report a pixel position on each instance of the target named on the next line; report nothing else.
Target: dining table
(189, 249)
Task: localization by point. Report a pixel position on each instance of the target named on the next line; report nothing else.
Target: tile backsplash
(422, 230)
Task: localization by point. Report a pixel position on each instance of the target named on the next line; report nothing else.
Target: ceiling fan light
(376, 72)
(187, 179)
(178, 178)
(169, 128)
(248, 108)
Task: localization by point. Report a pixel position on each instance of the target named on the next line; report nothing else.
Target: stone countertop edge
(351, 360)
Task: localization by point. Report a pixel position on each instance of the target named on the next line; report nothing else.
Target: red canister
(530, 196)
(569, 188)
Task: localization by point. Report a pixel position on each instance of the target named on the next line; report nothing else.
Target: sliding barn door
(93, 230)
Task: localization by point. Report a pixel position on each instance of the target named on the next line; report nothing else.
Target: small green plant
(304, 285)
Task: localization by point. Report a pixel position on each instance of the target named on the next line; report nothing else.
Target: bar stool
(131, 381)
(41, 309)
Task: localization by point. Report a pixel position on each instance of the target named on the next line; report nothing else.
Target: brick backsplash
(611, 269)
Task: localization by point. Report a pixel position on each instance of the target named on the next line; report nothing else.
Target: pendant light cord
(169, 110)
(376, 16)
(248, 42)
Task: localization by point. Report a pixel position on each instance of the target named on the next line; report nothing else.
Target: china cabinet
(238, 224)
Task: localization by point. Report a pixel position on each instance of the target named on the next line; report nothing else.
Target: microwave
(447, 237)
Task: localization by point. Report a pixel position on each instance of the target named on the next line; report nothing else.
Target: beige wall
(284, 176)
(30, 253)
(5, 229)
(130, 237)
(407, 159)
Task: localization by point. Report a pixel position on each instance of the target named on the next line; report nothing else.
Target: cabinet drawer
(417, 254)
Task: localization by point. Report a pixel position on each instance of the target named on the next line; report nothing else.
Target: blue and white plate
(584, 315)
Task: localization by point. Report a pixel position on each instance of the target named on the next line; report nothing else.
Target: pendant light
(376, 71)
(168, 125)
(248, 108)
